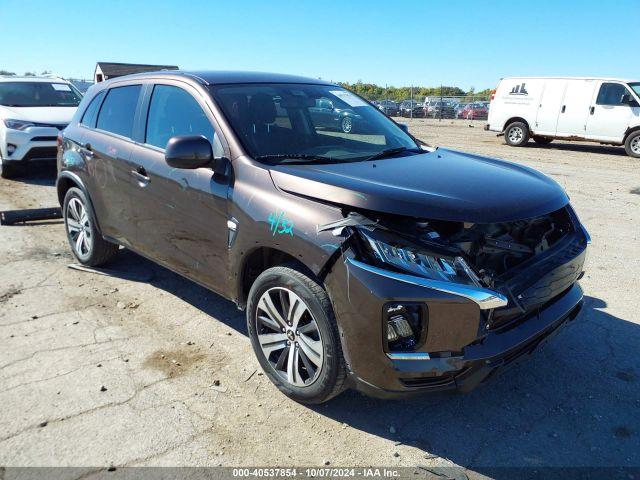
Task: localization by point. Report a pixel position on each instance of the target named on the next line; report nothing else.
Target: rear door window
(90, 114)
(174, 112)
(118, 110)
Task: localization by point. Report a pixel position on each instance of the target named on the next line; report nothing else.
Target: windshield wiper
(294, 157)
(390, 152)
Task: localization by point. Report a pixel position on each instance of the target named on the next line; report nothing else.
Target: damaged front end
(445, 291)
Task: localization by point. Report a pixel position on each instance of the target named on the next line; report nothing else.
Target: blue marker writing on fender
(280, 224)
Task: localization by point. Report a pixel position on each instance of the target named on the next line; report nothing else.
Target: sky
(388, 42)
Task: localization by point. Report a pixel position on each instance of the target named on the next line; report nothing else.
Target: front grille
(41, 153)
(542, 283)
(43, 139)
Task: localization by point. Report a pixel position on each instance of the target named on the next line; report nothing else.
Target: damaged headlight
(400, 254)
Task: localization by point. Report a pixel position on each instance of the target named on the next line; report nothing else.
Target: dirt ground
(123, 370)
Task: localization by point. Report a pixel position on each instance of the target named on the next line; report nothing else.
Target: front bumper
(33, 144)
(459, 352)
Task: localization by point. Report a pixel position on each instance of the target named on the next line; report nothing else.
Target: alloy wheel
(79, 227)
(289, 336)
(635, 145)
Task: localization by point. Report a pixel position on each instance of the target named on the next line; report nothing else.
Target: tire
(516, 134)
(542, 140)
(346, 124)
(86, 242)
(310, 345)
(632, 144)
(11, 170)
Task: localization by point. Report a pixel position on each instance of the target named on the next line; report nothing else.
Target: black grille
(43, 139)
(41, 153)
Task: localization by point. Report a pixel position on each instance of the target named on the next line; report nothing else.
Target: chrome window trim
(484, 298)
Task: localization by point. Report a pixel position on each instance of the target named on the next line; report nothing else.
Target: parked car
(437, 109)
(411, 108)
(361, 260)
(459, 108)
(389, 108)
(32, 112)
(604, 110)
(474, 111)
(325, 114)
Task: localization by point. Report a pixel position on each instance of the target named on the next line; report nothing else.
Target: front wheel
(295, 336)
(11, 170)
(86, 243)
(516, 134)
(632, 145)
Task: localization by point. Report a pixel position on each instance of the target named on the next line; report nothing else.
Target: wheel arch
(629, 131)
(515, 119)
(67, 180)
(258, 260)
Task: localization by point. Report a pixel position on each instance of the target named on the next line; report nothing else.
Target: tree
(6, 72)
(29, 74)
(46, 72)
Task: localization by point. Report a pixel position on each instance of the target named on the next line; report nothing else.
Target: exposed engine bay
(491, 249)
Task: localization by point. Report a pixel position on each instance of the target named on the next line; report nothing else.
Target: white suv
(32, 112)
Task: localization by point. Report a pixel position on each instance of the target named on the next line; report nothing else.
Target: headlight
(18, 124)
(394, 251)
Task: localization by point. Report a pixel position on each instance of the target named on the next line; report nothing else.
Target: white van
(605, 110)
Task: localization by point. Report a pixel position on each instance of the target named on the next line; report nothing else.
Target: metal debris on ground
(11, 217)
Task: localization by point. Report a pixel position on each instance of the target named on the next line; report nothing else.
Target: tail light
(493, 94)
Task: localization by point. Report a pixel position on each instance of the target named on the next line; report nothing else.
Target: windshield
(318, 123)
(636, 87)
(38, 94)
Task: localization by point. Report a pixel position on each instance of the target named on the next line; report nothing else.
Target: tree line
(371, 91)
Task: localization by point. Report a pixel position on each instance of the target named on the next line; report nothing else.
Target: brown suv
(362, 256)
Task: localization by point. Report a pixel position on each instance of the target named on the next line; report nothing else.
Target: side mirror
(189, 152)
(404, 127)
(627, 99)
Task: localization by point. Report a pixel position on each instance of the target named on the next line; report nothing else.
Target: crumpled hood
(440, 185)
(54, 115)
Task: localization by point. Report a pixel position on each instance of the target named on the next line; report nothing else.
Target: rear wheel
(516, 134)
(632, 144)
(295, 336)
(542, 140)
(86, 243)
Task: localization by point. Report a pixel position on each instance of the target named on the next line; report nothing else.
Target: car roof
(624, 80)
(15, 78)
(225, 77)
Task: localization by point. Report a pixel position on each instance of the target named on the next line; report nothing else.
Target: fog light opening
(11, 148)
(404, 326)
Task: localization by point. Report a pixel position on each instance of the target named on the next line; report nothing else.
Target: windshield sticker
(280, 225)
(61, 87)
(349, 98)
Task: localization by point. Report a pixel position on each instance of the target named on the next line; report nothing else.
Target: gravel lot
(122, 370)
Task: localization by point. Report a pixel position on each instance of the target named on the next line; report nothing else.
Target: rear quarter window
(118, 110)
(90, 114)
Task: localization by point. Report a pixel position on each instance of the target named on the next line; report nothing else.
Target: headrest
(262, 108)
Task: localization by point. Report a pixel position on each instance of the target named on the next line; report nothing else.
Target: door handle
(591, 110)
(140, 174)
(564, 107)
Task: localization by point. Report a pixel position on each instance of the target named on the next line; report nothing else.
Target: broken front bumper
(456, 354)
